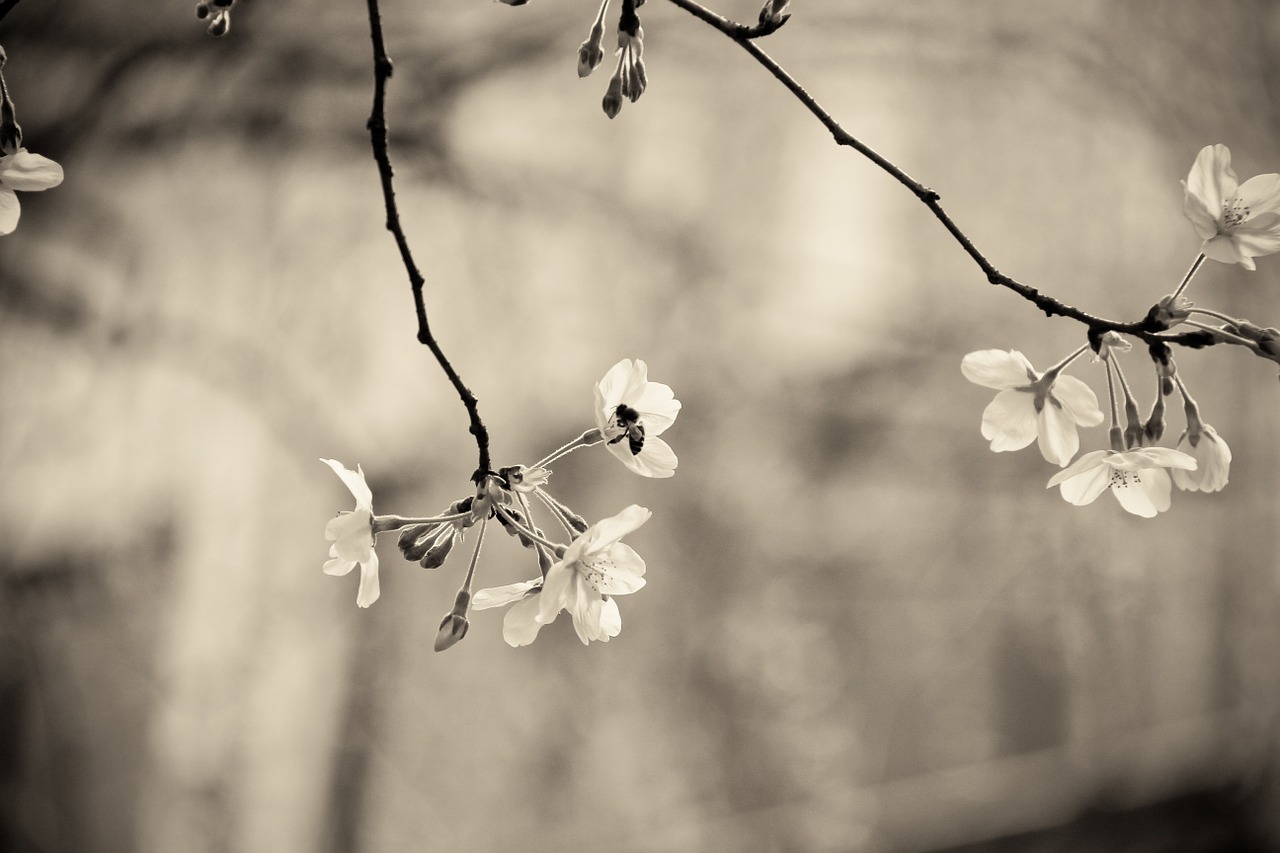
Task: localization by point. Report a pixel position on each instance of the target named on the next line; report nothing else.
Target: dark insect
(629, 419)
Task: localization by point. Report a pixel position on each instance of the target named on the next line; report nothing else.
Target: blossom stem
(524, 529)
(475, 558)
(557, 510)
(1189, 406)
(385, 523)
(564, 450)
(744, 36)
(1215, 314)
(1186, 279)
(1062, 365)
(1115, 433)
(377, 126)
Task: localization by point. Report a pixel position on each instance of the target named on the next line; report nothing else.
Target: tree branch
(1145, 329)
(377, 126)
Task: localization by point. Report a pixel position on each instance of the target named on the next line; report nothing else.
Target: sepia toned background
(862, 630)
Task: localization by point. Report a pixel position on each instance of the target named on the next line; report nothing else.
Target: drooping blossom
(1213, 460)
(631, 412)
(352, 535)
(1137, 478)
(594, 568)
(1238, 222)
(24, 172)
(1031, 407)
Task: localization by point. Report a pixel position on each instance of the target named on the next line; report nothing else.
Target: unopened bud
(202, 10)
(773, 13)
(454, 625)
(612, 102)
(220, 25)
(452, 629)
(439, 552)
(416, 539)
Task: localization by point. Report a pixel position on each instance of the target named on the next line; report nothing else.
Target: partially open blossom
(1031, 406)
(1213, 460)
(1238, 222)
(24, 172)
(631, 412)
(352, 535)
(1137, 478)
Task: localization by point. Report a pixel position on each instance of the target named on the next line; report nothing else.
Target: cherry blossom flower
(594, 568)
(24, 172)
(1137, 478)
(1213, 460)
(352, 536)
(1031, 406)
(1238, 222)
(631, 412)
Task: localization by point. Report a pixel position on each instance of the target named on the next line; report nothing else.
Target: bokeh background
(862, 631)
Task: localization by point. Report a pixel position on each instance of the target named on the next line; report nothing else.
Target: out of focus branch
(1144, 329)
(6, 6)
(377, 125)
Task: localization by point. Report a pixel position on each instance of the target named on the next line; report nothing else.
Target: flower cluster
(581, 576)
(629, 78)
(1237, 223)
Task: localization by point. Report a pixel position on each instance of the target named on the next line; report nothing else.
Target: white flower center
(1124, 479)
(595, 570)
(1234, 212)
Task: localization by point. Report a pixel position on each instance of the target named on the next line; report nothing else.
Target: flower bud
(452, 629)
(454, 625)
(416, 539)
(439, 552)
(773, 13)
(612, 102)
(202, 11)
(220, 25)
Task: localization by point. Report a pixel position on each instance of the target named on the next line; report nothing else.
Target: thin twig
(743, 35)
(378, 137)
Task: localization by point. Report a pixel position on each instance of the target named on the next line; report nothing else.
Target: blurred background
(863, 631)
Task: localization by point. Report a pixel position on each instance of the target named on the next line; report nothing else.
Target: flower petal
(1254, 243)
(1056, 429)
(354, 481)
(1161, 457)
(1203, 220)
(1084, 487)
(10, 210)
(993, 368)
(369, 587)
(557, 588)
(1212, 180)
(618, 380)
(626, 575)
(1009, 421)
(610, 620)
(1260, 194)
(657, 406)
(498, 596)
(339, 567)
(29, 172)
(1145, 493)
(1224, 250)
(1078, 399)
(656, 459)
(520, 626)
(604, 533)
